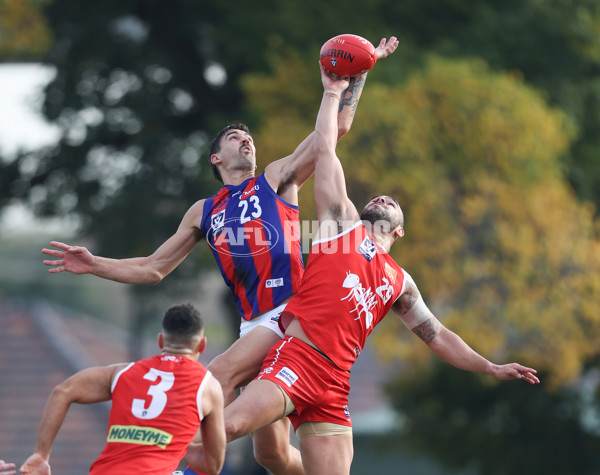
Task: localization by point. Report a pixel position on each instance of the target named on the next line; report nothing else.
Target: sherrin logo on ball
(348, 55)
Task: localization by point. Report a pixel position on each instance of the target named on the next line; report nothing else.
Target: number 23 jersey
(255, 239)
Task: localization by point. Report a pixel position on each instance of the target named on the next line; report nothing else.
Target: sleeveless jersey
(156, 411)
(349, 285)
(255, 239)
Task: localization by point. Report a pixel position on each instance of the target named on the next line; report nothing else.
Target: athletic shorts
(318, 388)
(269, 319)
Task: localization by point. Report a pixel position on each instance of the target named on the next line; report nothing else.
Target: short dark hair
(215, 145)
(182, 321)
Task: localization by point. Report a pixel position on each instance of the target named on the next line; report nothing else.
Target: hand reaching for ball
(386, 48)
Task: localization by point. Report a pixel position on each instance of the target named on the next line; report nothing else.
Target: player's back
(156, 411)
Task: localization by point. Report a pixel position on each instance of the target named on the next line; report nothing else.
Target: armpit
(286, 181)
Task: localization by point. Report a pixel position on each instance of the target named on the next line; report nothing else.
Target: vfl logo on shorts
(367, 249)
(287, 376)
(271, 283)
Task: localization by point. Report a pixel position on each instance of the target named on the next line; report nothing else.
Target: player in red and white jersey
(158, 405)
(349, 284)
(368, 283)
(257, 279)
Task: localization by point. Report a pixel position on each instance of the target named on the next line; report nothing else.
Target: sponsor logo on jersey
(367, 249)
(391, 272)
(271, 283)
(217, 221)
(347, 412)
(251, 191)
(287, 376)
(139, 435)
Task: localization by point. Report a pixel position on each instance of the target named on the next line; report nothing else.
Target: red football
(348, 55)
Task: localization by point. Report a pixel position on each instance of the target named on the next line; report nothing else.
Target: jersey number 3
(157, 391)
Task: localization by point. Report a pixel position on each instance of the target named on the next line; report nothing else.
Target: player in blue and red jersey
(255, 234)
(252, 226)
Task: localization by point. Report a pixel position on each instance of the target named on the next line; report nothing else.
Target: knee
(234, 428)
(270, 457)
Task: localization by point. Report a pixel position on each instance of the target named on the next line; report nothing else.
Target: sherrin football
(348, 55)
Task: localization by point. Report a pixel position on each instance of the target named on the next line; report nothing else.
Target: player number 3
(157, 392)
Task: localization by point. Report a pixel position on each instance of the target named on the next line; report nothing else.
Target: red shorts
(318, 389)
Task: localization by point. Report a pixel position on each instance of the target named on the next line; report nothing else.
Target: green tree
(501, 248)
(494, 235)
(464, 422)
(553, 45)
(135, 96)
(24, 32)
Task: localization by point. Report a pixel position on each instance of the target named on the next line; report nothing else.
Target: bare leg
(259, 405)
(241, 362)
(238, 366)
(272, 449)
(327, 455)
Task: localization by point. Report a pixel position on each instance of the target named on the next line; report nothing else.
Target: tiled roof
(30, 366)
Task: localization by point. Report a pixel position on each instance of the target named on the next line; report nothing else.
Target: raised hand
(75, 259)
(332, 82)
(386, 48)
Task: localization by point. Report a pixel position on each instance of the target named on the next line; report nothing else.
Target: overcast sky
(22, 127)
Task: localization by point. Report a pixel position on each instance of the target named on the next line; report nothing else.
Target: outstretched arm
(448, 345)
(331, 198)
(288, 174)
(137, 270)
(86, 387)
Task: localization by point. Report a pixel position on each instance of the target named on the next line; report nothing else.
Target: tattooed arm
(349, 103)
(350, 97)
(288, 174)
(446, 344)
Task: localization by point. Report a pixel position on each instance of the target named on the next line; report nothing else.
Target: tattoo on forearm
(428, 330)
(352, 94)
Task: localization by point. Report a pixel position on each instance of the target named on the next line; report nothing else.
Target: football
(348, 55)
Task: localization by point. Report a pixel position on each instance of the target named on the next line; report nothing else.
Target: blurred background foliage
(484, 124)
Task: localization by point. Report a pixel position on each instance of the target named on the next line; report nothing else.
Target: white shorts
(269, 319)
